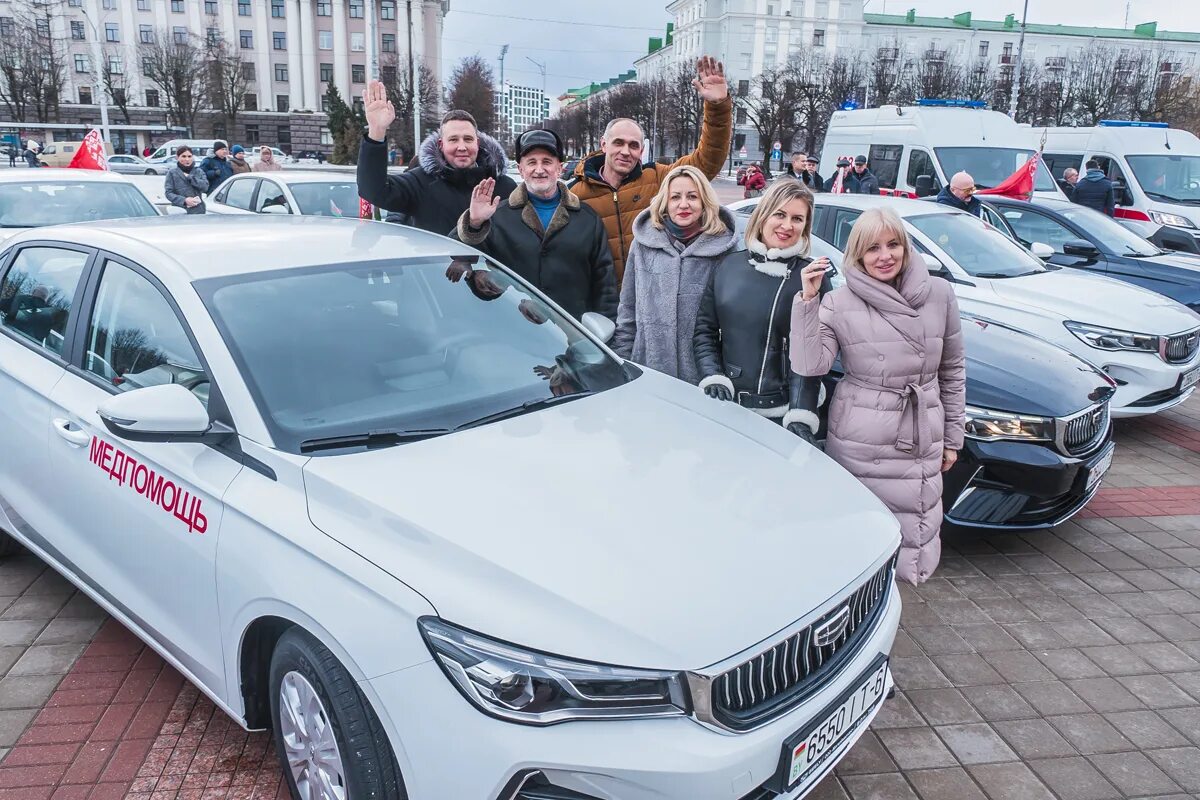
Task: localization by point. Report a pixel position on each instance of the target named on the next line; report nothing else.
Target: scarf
(773, 261)
(183, 169)
(684, 236)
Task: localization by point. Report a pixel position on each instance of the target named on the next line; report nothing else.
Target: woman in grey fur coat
(676, 243)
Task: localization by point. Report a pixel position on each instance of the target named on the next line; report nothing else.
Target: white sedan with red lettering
(367, 488)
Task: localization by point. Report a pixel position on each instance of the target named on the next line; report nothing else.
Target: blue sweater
(545, 208)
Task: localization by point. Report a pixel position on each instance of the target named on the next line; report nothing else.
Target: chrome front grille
(1082, 433)
(776, 679)
(1180, 348)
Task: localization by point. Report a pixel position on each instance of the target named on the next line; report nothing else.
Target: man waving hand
(618, 186)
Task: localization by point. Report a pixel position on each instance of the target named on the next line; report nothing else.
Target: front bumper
(1145, 383)
(450, 751)
(1186, 240)
(1019, 485)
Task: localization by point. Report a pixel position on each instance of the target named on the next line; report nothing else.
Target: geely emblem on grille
(1097, 416)
(832, 629)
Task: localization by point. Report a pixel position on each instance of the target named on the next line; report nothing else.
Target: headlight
(1174, 220)
(988, 425)
(1110, 339)
(520, 685)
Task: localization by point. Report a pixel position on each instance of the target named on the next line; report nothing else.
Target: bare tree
(471, 90)
(228, 80)
(116, 82)
(398, 82)
(178, 66)
(32, 64)
(936, 74)
(684, 117)
(1095, 75)
(773, 101)
(979, 80)
(884, 74)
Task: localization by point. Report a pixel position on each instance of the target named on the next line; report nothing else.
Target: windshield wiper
(1167, 198)
(371, 439)
(524, 408)
(1008, 274)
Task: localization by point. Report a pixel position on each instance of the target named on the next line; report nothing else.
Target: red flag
(91, 154)
(1020, 183)
(365, 209)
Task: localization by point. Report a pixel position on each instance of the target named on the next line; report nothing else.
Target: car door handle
(76, 436)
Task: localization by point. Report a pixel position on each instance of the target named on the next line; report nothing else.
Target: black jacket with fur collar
(434, 194)
(570, 261)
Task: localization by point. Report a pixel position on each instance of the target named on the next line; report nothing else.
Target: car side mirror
(599, 325)
(936, 267)
(1041, 250)
(275, 209)
(1081, 248)
(924, 186)
(156, 414)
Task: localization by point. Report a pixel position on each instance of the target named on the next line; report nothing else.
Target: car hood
(645, 526)
(1097, 300)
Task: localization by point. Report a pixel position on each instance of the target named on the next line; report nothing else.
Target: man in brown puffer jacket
(618, 186)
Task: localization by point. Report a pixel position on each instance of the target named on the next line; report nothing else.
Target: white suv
(370, 490)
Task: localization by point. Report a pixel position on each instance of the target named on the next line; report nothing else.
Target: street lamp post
(542, 68)
(414, 78)
(1016, 78)
(97, 59)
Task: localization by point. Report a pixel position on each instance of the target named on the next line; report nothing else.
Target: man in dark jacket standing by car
(217, 167)
(867, 182)
(1095, 191)
(186, 183)
(544, 233)
(453, 161)
(960, 194)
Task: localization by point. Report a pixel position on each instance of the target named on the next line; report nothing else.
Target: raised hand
(483, 201)
(710, 80)
(379, 111)
(812, 275)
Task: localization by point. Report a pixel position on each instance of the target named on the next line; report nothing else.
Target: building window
(109, 5)
(983, 49)
(85, 95)
(326, 73)
(115, 65)
(279, 40)
(284, 138)
(250, 101)
(148, 67)
(243, 8)
(356, 9)
(387, 73)
(743, 88)
(818, 38)
(152, 98)
(389, 43)
(358, 73)
(252, 134)
(6, 27)
(146, 34)
(248, 71)
(179, 34)
(358, 42)
(324, 40)
(281, 73)
(219, 131)
(213, 35)
(276, 8)
(324, 104)
(246, 39)
(118, 96)
(741, 116)
(326, 136)
(282, 103)
(324, 8)
(42, 26)
(387, 9)
(81, 63)
(177, 6)
(112, 33)
(77, 29)
(143, 5)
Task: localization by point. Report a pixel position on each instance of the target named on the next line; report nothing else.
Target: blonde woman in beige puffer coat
(897, 419)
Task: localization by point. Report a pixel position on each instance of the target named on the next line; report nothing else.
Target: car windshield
(990, 166)
(333, 199)
(34, 204)
(399, 348)
(1108, 232)
(982, 251)
(1172, 179)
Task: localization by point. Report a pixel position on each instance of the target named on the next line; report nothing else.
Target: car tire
(340, 725)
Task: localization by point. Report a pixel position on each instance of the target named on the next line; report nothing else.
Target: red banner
(91, 153)
(1020, 183)
(365, 209)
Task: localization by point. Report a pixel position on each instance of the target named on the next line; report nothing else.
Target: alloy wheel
(311, 748)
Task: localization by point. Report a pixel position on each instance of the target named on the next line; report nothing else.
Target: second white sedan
(126, 164)
(311, 194)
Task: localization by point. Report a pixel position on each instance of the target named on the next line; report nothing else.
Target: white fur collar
(776, 262)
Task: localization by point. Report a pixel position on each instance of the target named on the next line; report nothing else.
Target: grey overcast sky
(599, 39)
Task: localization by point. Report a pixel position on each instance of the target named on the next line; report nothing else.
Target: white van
(915, 150)
(1158, 166)
(200, 147)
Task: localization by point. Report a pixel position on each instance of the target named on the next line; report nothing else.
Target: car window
(981, 251)
(32, 205)
(1034, 227)
(271, 199)
(1113, 171)
(37, 292)
(417, 344)
(1059, 163)
(843, 222)
(919, 163)
(992, 218)
(1171, 178)
(240, 193)
(327, 199)
(135, 339)
(990, 166)
(885, 163)
(1108, 232)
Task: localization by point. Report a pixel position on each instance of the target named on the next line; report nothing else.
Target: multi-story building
(751, 36)
(520, 108)
(594, 90)
(291, 49)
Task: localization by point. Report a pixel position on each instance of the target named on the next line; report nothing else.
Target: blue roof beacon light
(849, 105)
(1131, 123)
(939, 102)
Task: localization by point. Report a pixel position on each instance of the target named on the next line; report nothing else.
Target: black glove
(804, 432)
(718, 392)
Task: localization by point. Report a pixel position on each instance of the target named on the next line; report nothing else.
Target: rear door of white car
(143, 517)
(41, 292)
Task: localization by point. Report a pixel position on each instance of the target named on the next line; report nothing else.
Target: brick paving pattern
(1045, 665)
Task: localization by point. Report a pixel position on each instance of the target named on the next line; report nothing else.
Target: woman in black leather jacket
(741, 338)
